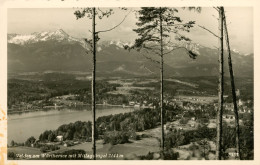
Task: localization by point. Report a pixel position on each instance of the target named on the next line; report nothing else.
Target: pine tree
(155, 27)
(222, 28)
(233, 87)
(91, 13)
(220, 87)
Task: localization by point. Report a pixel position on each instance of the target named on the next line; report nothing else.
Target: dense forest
(120, 128)
(58, 84)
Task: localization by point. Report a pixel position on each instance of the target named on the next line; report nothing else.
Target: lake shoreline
(21, 126)
(47, 108)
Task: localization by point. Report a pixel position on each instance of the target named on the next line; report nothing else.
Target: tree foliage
(149, 32)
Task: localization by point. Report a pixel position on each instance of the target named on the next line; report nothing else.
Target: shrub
(44, 149)
(184, 120)
(116, 137)
(11, 155)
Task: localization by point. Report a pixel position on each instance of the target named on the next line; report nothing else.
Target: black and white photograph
(129, 83)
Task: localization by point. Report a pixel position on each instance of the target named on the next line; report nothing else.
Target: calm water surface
(22, 126)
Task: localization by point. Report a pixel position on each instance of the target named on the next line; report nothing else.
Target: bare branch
(153, 49)
(216, 47)
(181, 47)
(151, 59)
(149, 70)
(100, 10)
(151, 46)
(216, 8)
(176, 24)
(192, 54)
(209, 31)
(116, 25)
(167, 42)
(226, 19)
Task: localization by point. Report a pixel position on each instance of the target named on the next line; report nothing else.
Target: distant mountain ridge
(35, 37)
(58, 51)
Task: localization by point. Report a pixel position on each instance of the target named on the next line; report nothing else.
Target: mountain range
(58, 51)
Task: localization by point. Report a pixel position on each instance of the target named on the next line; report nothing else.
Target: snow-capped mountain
(236, 51)
(117, 43)
(58, 35)
(58, 51)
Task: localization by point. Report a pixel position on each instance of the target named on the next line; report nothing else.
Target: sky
(239, 20)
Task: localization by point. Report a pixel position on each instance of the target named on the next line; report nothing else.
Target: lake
(21, 126)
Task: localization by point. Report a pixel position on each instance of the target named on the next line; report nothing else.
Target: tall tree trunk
(94, 83)
(162, 114)
(220, 88)
(233, 88)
